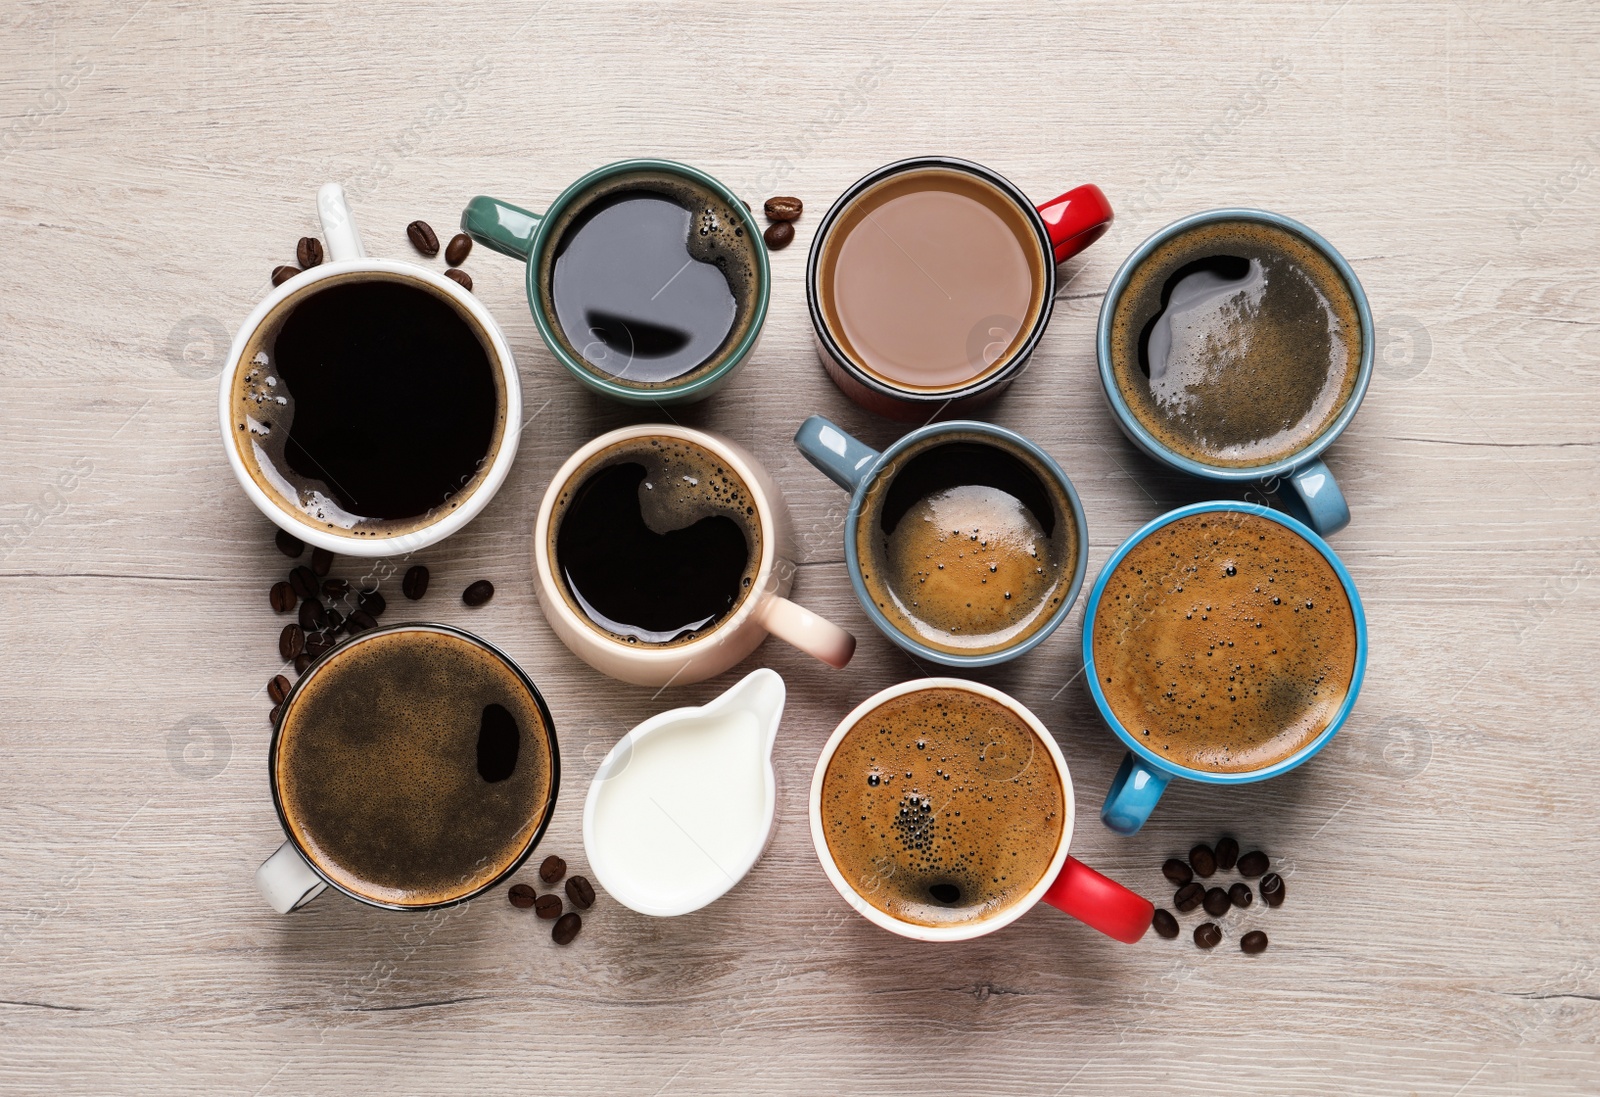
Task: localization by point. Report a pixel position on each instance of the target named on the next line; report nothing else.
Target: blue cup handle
(840, 457)
(1310, 494)
(1134, 792)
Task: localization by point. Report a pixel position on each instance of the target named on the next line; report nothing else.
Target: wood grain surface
(158, 160)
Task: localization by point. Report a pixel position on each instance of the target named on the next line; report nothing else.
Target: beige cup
(764, 608)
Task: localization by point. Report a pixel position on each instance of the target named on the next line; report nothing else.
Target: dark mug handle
(1076, 219)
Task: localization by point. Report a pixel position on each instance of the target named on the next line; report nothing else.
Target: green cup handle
(499, 225)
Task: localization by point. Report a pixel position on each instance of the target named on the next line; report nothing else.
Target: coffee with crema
(941, 807)
(1236, 343)
(1225, 642)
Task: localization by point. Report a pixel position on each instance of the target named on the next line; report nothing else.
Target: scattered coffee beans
(283, 598)
(308, 252)
(783, 208)
(580, 892)
(457, 250)
(1227, 853)
(566, 928)
(291, 641)
(1240, 895)
(478, 593)
(313, 617)
(272, 717)
(1216, 902)
(317, 643)
(278, 689)
(415, 584)
(779, 235)
(1176, 871)
(552, 868)
(304, 581)
(1207, 935)
(1253, 864)
(423, 238)
(321, 561)
(460, 278)
(371, 601)
(1272, 889)
(1188, 897)
(301, 662)
(1253, 942)
(280, 275)
(548, 906)
(1202, 860)
(522, 896)
(335, 621)
(335, 588)
(288, 544)
(360, 621)
(1164, 923)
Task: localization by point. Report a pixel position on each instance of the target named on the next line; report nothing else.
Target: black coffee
(652, 279)
(656, 541)
(415, 767)
(965, 546)
(370, 405)
(1236, 343)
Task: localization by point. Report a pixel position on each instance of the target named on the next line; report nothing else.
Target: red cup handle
(1100, 903)
(1077, 219)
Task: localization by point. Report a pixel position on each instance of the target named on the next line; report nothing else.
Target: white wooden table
(157, 160)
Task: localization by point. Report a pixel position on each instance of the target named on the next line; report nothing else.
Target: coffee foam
(942, 789)
(378, 768)
(1225, 642)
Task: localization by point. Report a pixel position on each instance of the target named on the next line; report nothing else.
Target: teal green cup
(536, 238)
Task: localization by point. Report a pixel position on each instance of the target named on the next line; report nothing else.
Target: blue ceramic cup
(861, 470)
(1301, 481)
(1144, 774)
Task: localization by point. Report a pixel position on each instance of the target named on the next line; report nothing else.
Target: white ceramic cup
(1069, 884)
(346, 256)
(765, 609)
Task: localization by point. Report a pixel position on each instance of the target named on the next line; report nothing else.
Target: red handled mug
(931, 281)
(909, 862)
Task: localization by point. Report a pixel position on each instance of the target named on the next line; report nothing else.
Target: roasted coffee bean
(1207, 935)
(1176, 871)
(272, 717)
(1188, 897)
(478, 593)
(291, 641)
(779, 235)
(280, 275)
(746, 206)
(1164, 923)
(1202, 860)
(423, 237)
(335, 588)
(415, 584)
(457, 250)
(360, 621)
(1227, 853)
(566, 928)
(288, 544)
(278, 689)
(335, 622)
(522, 896)
(283, 597)
(552, 868)
(304, 581)
(321, 561)
(309, 252)
(1240, 895)
(1216, 902)
(318, 642)
(460, 278)
(1253, 864)
(1272, 890)
(783, 208)
(581, 892)
(548, 906)
(313, 617)
(301, 662)
(371, 601)
(1253, 942)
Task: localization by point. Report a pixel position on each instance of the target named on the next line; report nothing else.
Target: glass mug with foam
(647, 279)
(369, 406)
(931, 281)
(1236, 345)
(1223, 643)
(663, 554)
(942, 810)
(965, 542)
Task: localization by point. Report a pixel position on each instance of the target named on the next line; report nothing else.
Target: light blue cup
(1144, 775)
(1301, 481)
(856, 468)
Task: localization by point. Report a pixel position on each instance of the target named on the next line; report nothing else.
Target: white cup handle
(338, 227)
(798, 626)
(286, 881)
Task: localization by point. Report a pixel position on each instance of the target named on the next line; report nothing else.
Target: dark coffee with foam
(414, 766)
(941, 807)
(1236, 343)
(655, 540)
(1225, 642)
(966, 544)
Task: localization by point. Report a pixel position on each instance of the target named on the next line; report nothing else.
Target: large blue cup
(1144, 774)
(1301, 481)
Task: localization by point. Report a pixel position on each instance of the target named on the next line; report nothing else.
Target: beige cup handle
(816, 636)
(286, 882)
